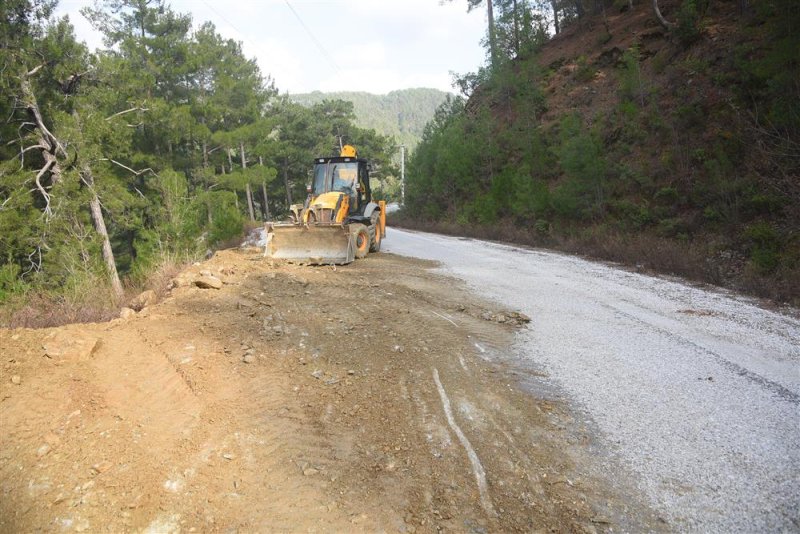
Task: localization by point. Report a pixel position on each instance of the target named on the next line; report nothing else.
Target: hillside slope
(670, 150)
(402, 114)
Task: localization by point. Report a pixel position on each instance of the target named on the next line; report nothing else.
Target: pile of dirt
(368, 397)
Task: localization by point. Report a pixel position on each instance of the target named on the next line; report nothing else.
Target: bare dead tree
(100, 226)
(667, 25)
(47, 144)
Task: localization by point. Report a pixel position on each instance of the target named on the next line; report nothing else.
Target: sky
(338, 45)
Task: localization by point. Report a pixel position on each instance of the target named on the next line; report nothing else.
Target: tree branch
(134, 172)
(126, 111)
(667, 25)
(45, 194)
(35, 70)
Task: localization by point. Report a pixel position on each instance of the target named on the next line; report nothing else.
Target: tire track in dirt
(335, 424)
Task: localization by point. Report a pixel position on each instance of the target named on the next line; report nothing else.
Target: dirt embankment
(368, 397)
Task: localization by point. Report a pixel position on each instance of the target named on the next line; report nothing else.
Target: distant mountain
(403, 113)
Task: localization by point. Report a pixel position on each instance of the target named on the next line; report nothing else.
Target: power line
(220, 15)
(313, 38)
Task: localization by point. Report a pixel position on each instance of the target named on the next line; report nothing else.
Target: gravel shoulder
(691, 394)
(380, 396)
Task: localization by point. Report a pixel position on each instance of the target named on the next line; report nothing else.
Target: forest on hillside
(662, 134)
(115, 165)
(401, 114)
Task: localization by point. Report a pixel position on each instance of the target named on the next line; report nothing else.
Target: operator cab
(348, 175)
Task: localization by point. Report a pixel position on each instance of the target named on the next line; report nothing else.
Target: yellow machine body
(339, 220)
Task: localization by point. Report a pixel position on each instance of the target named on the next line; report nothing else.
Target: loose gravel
(695, 393)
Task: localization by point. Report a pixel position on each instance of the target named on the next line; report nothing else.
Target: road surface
(694, 394)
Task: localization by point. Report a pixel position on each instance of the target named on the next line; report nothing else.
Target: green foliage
(631, 86)
(690, 27)
(667, 196)
(699, 145)
(401, 114)
(631, 214)
(765, 246)
(531, 196)
(228, 221)
(10, 282)
(580, 154)
(674, 227)
(771, 76)
(166, 130)
(586, 71)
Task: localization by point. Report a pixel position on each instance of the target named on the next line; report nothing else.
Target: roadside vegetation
(117, 167)
(675, 148)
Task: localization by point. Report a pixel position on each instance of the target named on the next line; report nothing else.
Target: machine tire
(361, 237)
(375, 238)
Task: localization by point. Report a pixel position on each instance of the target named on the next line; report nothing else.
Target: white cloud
(362, 45)
(368, 54)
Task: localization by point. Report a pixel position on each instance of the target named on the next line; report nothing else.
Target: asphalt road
(694, 395)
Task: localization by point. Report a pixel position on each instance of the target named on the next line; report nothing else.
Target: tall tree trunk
(102, 231)
(667, 25)
(230, 161)
(264, 192)
(249, 194)
(555, 15)
(205, 185)
(286, 182)
(516, 30)
(579, 8)
(266, 200)
(248, 190)
(492, 38)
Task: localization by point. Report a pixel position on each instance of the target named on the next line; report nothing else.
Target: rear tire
(375, 233)
(361, 237)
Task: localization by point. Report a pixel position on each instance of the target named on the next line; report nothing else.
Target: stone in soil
(208, 282)
(143, 300)
(70, 345)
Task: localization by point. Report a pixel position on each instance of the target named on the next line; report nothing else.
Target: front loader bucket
(317, 244)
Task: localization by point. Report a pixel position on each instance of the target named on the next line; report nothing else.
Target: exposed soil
(292, 399)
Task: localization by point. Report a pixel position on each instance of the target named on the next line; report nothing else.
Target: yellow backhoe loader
(339, 220)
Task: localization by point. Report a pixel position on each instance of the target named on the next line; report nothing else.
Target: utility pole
(402, 175)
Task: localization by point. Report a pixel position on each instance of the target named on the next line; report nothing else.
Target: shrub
(585, 72)
(674, 227)
(228, 222)
(689, 26)
(765, 246)
(666, 196)
(631, 86)
(10, 281)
